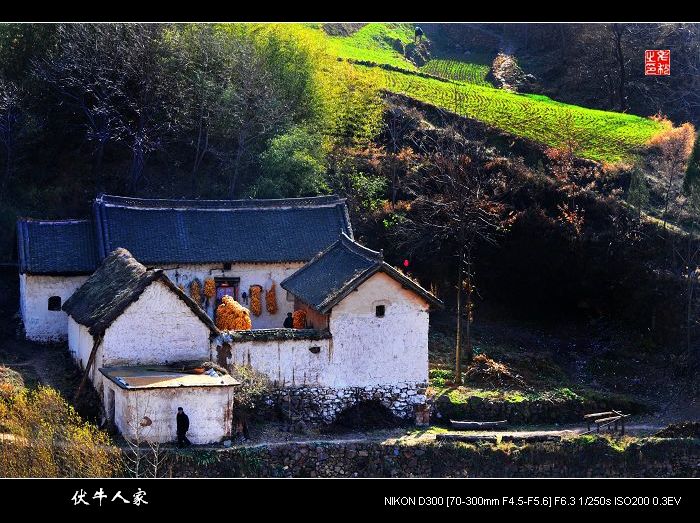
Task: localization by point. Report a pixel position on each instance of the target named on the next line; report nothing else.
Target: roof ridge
(249, 203)
(29, 219)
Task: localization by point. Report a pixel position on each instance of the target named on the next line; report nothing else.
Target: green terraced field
(471, 73)
(600, 135)
(373, 43)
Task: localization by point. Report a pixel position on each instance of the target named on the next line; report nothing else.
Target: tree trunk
(137, 164)
(622, 80)
(458, 335)
(97, 166)
(8, 173)
(470, 352)
(236, 168)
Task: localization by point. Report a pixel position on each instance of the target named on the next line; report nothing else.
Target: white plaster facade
(364, 350)
(376, 351)
(208, 408)
(157, 328)
(249, 274)
(40, 323)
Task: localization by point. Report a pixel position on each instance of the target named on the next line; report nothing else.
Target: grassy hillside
(378, 43)
(596, 135)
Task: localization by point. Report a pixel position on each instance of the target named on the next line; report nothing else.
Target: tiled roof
(56, 247)
(335, 272)
(118, 282)
(211, 231)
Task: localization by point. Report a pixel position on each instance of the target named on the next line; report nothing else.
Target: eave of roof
(119, 223)
(161, 377)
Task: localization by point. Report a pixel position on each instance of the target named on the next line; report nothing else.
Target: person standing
(288, 321)
(419, 34)
(183, 425)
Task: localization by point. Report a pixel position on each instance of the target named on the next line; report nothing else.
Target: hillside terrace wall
(570, 458)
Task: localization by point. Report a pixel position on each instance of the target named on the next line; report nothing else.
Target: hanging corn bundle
(209, 288)
(196, 291)
(231, 315)
(256, 299)
(299, 319)
(271, 300)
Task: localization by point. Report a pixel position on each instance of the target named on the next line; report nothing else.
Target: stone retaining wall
(322, 404)
(570, 458)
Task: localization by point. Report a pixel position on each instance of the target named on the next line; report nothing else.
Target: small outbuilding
(132, 323)
(142, 402)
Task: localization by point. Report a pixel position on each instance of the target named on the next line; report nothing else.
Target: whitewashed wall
(41, 324)
(286, 362)
(209, 409)
(80, 343)
(157, 328)
(364, 350)
(249, 274)
(368, 350)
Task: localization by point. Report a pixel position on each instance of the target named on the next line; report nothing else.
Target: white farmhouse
(131, 329)
(133, 321)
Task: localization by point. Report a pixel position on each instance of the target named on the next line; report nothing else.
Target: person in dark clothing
(288, 321)
(183, 425)
(419, 34)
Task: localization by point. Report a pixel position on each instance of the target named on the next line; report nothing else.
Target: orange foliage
(675, 140)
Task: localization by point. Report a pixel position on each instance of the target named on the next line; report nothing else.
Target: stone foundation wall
(573, 458)
(322, 404)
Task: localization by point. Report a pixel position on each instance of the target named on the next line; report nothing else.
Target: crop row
(459, 71)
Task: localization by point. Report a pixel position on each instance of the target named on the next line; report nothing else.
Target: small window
(227, 266)
(55, 303)
(379, 311)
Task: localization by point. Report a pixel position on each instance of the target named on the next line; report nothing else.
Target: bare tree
(199, 61)
(250, 109)
(85, 74)
(688, 254)
(11, 127)
(397, 123)
(455, 206)
(146, 111)
(144, 456)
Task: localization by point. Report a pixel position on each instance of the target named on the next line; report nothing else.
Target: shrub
(49, 439)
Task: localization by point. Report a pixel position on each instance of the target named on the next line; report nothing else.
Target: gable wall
(249, 274)
(368, 350)
(41, 324)
(157, 328)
